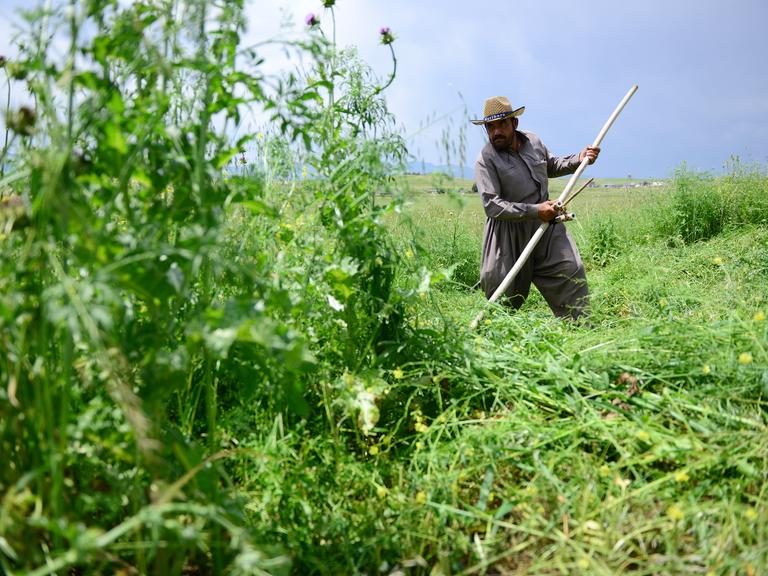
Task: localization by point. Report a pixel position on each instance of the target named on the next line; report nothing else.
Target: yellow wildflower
(675, 513)
(373, 450)
(681, 476)
(398, 374)
(663, 302)
(759, 316)
(409, 253)
(381, 491)
(605, 470)
(751, 513)
(717, 261)
(643, 435)
(260, 136)
(421, 497)
(421, 427)
(583, 563)
(706, 369)
(745, 358)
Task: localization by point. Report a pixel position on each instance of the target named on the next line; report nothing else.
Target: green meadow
(247, 351)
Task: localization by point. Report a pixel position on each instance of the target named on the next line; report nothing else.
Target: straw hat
(497, 108)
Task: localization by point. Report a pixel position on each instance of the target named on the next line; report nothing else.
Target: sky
(701, 68)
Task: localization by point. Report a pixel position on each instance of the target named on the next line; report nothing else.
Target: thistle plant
(118, 310)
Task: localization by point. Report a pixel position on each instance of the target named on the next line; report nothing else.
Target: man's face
(502, 132)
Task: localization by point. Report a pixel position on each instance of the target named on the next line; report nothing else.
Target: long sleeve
(489, 187)
(561, 165)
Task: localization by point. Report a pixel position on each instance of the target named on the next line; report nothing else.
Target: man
(511, 174)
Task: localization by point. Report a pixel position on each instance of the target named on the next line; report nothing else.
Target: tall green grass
(702, 206)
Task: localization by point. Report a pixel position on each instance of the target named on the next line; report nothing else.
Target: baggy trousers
(555, 266)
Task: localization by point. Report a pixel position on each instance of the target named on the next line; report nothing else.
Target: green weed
(604, 242)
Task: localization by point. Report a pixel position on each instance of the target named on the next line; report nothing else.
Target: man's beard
(501, 143)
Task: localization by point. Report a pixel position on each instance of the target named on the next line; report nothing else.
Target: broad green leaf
(115, 138)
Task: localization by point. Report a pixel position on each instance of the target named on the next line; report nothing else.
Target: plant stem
(392, 74)
(7, 130)
(71, 69)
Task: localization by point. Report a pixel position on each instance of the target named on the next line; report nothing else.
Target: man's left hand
(590, 152)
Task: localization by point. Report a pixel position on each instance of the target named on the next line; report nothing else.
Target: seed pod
(16, 70)
(22, 121)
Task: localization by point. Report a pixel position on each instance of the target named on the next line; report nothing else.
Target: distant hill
(430, 168)
(467, 172)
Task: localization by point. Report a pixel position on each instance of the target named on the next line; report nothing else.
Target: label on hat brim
(496, 116)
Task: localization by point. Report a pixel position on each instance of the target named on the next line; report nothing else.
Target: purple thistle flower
(386, 35)
(312, 20)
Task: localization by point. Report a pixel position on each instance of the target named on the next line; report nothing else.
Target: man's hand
(548, 210)
(591, 152)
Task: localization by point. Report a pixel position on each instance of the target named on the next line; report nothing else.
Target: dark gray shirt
(512, 183)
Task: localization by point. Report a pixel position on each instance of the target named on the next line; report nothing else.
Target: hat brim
(513, 114)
